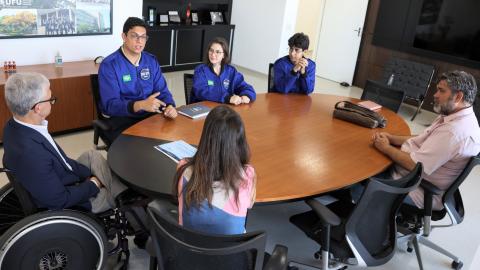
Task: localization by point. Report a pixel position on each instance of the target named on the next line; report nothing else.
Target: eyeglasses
(51, 100)
(295, 49)
(136, 37)
(217, 52)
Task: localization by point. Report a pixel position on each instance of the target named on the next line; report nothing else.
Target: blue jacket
(286, 81)
(37, 166)
(122, 83)
(208, 86)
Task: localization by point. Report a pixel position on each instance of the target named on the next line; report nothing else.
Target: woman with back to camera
(217, 80)
(216, 187)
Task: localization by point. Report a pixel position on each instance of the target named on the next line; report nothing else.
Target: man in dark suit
(39, 164)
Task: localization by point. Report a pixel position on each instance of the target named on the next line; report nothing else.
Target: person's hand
(235, 100)
(382, 134)
(245, 99)
(150, 104)
(297, 67)
(303, 65)
(170, 112)
(381, 141)
(96, 181)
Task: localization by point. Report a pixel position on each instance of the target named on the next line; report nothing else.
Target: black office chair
(384, 95)
(415, 223)
(365, 231)
(100, 125)
(187, 86)
(177, 248)
(271, 74)
(411, 77)
(25, 229)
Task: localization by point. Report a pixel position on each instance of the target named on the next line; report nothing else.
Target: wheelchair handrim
(58, 219)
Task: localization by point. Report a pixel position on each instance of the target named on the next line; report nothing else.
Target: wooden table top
(67, 70)
(298, 149)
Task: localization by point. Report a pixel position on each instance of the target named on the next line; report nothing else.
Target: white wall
(30, 51)
(262, 30)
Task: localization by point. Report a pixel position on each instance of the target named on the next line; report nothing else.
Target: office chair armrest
(326, 216)
(430, 188)
(278, 260)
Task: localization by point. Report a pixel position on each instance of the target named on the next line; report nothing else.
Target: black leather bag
(348, 111)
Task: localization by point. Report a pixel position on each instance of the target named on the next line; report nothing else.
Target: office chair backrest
(96, 95)
(178, 248)
(412, 77)
(476, 105)
(271, 76)
(386, 96)
(24, 197)
(452, 199)
(187, 86)
(371, 228)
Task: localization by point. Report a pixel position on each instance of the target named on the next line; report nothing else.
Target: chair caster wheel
(457, 265)
(316, 255)
(409, 250)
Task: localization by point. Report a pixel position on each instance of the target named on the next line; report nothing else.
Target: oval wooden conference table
(298, 149)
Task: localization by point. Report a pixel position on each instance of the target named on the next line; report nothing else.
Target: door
(339, 40)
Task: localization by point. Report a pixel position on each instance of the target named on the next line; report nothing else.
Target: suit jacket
(37, 166)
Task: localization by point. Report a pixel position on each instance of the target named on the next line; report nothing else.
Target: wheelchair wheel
(10, 209)
(54, 240)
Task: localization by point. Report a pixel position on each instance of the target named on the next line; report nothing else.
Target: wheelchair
(32, 238)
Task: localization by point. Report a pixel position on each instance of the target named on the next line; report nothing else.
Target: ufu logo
(14, 3)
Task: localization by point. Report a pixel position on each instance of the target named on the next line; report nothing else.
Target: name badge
(210, 82)
(145, 74)
(226, 83)
(126, 78)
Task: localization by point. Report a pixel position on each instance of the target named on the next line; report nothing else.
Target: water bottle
(390, 80)
(58, 60)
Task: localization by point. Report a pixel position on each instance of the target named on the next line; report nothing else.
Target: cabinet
(182, 47)
(74, 108)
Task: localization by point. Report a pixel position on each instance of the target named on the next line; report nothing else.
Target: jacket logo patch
(145, 74)
(126, 78)
(210, 83)
(226, 83)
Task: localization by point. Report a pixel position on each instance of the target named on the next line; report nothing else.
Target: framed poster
(53, 18)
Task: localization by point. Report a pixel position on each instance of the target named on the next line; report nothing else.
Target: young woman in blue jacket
(218, 81)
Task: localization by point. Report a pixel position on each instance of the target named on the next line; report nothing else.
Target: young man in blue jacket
(218, 81)
(295, 73)
(39, 164)
(132, 86)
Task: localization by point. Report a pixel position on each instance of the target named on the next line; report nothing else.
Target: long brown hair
(222, 155)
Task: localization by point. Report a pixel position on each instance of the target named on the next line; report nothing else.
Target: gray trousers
(105, 199)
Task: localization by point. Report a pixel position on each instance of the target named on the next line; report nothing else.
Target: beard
(446, 108)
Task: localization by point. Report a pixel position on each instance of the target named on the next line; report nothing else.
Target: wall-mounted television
(447, 30)
(49, 18)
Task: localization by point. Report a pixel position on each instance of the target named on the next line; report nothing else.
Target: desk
(298, 149)
(71, 85)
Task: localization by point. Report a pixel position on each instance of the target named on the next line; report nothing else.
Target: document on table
(177, 150)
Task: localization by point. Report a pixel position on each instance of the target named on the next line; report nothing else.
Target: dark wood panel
(372, 58)
(4, 112)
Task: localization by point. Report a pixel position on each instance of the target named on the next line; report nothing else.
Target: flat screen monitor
(449, 27)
